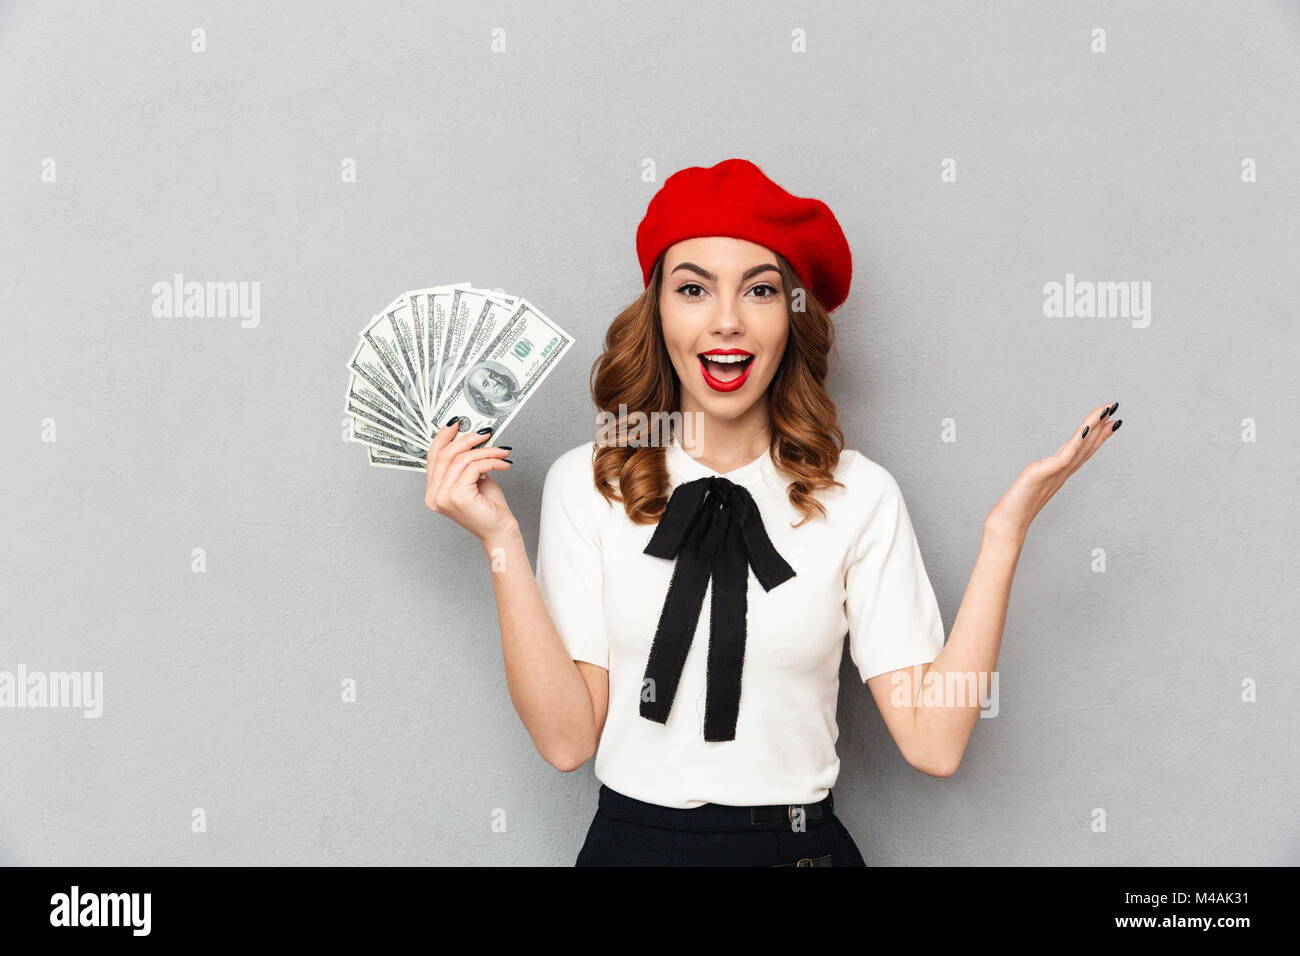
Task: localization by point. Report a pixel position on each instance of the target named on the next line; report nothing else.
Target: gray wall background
(1119, 690)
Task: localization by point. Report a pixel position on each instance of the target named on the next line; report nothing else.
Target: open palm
(1039, 480)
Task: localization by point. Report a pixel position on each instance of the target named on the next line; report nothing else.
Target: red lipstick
(729, 385)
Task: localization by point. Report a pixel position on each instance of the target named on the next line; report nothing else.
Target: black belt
(713, 816)
(809, 861)
(784, 813)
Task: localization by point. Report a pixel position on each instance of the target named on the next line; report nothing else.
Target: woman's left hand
(1036, 484)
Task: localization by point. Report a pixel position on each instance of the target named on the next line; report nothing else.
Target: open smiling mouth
(725, 370)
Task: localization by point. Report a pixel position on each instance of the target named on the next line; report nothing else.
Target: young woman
(714, 730)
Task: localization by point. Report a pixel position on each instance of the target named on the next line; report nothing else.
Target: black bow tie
(713, 528)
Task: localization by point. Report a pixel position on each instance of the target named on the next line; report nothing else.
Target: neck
(725, 444)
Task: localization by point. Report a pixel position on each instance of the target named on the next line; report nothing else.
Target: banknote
(378, 438)
(386, 459)
(431, 308)
(376, 415)
(490, 391)
(493, 312)
(473, 318)
(391, 334)
(444, 351)
(368, 366)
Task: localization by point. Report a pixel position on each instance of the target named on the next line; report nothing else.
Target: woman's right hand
(458, 485)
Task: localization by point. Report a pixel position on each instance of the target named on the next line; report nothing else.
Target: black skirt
(628, 832)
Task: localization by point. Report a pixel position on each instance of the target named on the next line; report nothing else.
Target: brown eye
(772, 290)
(691, 285)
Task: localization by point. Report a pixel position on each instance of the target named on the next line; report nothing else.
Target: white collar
(684, 467)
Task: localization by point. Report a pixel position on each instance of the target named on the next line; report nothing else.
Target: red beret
(735, 198)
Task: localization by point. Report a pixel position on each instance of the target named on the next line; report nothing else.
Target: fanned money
(449, 351)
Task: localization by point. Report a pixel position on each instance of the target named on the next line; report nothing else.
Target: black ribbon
(713, 528)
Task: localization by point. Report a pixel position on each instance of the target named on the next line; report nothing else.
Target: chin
(725, 406)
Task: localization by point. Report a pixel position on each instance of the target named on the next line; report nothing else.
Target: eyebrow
(749, 273)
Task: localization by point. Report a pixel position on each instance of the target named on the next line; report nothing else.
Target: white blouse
(857, 570)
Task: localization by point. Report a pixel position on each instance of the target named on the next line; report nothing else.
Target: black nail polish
(451, 421)
(1104, 412)
(506, 447)
(1085, 432)
(1115, 425)
(1113, 407)
(485, 431)
(507, 459)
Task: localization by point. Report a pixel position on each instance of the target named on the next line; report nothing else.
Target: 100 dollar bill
(431, 308)
(492, 388)
(382, 458)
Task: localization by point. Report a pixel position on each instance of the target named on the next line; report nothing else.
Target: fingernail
(450, 421)
(1104, 412)
(507, 459)
(1085, 432)
(485, 431)
(1115, 425)
(1113, 407)
(506, 447)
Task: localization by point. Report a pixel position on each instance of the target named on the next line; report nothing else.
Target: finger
(435, 461)
(1106, 428)
(479, 470)
(1087, 436)
(466, 487)
(1067, 452)
(1099, 432)
(445, 433)
(1091, 421)
(470, 439)
(1101, 424)
(460, 470)
(476, 471)
(450, 441)
(454, 440)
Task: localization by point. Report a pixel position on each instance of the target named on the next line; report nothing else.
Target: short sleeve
(570, 574)
(893, 615)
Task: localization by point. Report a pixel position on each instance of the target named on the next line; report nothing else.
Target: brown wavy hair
(635, 373)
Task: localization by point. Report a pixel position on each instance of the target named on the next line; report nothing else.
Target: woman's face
(725, 322)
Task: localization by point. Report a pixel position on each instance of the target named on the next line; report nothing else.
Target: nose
(728, 321)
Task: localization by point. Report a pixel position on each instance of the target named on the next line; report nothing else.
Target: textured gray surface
(522, 170)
